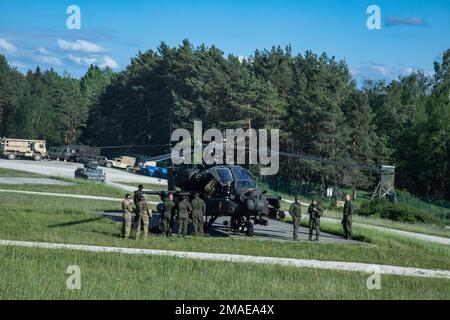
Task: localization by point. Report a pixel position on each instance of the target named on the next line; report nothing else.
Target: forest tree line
(313, 100)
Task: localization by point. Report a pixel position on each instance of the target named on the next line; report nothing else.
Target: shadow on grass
(340, 233)
(109, 234)
(358, 237)
(72, 223)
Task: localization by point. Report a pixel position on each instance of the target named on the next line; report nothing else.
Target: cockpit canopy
(237, 174)
(225, 176)
(243, 179)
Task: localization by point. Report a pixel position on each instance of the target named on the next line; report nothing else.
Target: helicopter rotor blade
(345, 162)
(349, 163)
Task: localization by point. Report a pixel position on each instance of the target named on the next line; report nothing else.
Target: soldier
(168, 208)
(127, 208)
(138, 193)
(137, 198)
(184, 209)
(198, 211)
(296, 213)
(315, 212)
(347, 218)
(142, 220)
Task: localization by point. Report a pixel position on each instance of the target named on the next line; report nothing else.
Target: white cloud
(82, 61)
(7, 47)
(18, 64)
(43, 51)
(54, 61)
(40, 55)
(102, 61)
(109, 62)
(406, 71)
(91, 54)
(242, 58)
(88, 54)
(376, 71)
(429, 73)
(80, 46)
(354, 71)
(380, 69)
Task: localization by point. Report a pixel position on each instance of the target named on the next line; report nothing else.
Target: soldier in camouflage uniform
(198, 211)
(296, 213)
(184, 209)
(347, 217)
(315, 212)
(166, 219)
(136, 199)
(127, 208)
(142, 220)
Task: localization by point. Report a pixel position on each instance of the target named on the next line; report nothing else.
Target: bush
(397, 212)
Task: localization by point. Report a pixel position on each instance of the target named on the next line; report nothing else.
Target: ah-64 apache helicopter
(231, 191)
(228, 190)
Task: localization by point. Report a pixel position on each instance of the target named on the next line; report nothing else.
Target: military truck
(74, 153)
(123, 162)
(61, 153)
(23, 148)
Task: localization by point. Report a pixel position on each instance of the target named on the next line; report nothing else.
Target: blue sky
(414, 33)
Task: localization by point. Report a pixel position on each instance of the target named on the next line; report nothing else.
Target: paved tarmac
(276, 230)
(67, 169)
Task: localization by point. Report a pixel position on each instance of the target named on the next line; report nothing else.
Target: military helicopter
(231, 191)
(228, 190)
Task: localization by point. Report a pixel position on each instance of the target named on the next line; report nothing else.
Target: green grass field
(432, 229)
(40, 273)
(439, 209)
(96, 189)
(18, 174)
(41, 218)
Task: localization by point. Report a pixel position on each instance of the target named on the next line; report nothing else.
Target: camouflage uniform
(296, 213)
(127, 208)
(347, 219)
(184, 208)
(142, 220)
(198, 211)
(136, 199)
(315, 212)
(166, 220)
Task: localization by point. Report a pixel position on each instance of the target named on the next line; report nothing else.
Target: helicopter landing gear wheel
(238, 224)
(249, 230)
(280, 215)
(210, 223)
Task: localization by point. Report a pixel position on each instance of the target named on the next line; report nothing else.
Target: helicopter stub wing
(165, 193)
